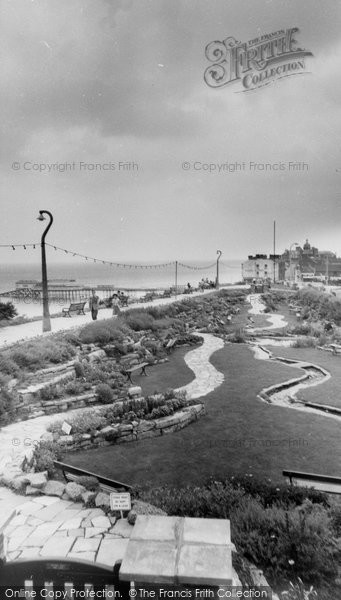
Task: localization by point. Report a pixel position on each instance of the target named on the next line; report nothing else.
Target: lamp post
(46, 312)
(293, 244)
(219, 252)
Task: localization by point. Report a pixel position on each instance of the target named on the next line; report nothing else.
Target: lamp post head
(41, 216)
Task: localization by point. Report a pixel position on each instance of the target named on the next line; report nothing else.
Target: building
(261, 268)
(311, 264)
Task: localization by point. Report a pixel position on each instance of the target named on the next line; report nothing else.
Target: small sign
(66, 428)
(120, 501)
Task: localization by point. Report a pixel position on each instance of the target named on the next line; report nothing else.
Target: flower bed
(127, 420)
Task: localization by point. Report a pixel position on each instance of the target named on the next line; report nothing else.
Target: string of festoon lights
(117, 264)
(110, 262)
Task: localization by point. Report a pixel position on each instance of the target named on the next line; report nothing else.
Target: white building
(261, 267)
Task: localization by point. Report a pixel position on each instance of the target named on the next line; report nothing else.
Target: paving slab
(152, 561)
(101, 521)
(28, 508)
(122, 528)
(71, 523)
(90, 556)
(94, 531)
(57, 546)
(111, 550)
(86, 545)
(208, 531)
(205, 565)
(46, 500)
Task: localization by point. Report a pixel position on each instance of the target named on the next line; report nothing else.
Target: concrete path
(16, 333)
(207, 378)
(257, 308)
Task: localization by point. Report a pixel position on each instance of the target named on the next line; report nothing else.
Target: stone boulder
(143, 508)
(102, 499)
(135, 390)
(54, 488)
(37, 480)
(74, 490)
(96, 355)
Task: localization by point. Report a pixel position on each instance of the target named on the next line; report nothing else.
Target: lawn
(240, 434)
(325, 393)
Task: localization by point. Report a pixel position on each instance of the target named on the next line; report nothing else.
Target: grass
(325, 393)
(240, 434)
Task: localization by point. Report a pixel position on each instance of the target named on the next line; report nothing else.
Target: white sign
(120, 501)
(66, 428)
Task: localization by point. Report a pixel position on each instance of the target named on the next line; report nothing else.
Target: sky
(121, 83)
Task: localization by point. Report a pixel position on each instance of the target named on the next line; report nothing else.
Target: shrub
(304, 342)
(7, 406)
(8, 366)
(7, 311)
(103, 332)
(79, 369)
(104, 393)
(298, 591)
(49, 392)
(44, 454)
(84, 422)
(286, 543)
(75, 387)
(213, 501)
(36, 354)
(139, 320)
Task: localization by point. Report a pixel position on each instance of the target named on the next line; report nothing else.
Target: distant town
(298, 264)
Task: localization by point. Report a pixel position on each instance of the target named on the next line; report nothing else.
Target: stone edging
(136, 431)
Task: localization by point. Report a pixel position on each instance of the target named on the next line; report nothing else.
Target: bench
(128, 372)
(41, 577)
(71, 473)
(76, 307)
(322, 483)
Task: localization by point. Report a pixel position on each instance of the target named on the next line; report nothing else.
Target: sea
(135, 279)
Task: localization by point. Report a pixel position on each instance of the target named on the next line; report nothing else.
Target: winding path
(285, 393)
(207, 378)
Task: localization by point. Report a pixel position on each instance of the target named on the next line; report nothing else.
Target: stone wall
(135, 431)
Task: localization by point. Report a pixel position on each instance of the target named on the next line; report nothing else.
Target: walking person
(94, 305)
(115, 305)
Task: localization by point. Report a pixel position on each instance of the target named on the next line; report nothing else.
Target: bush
(103, 332)
(7, 311)
(304, 342)
(7, 406)
(84, 422)
(284, 543)
(298, 591)
(36, 354)
(44, 454)
(104, 393)
(79, 370)
(214, 501)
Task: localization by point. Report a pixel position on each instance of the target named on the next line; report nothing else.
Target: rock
(143, 508)
(47, 437)
(88, 496)
(96, 355)
(102, 499)
(54, 488)
(37, 480)
(32, 491)
(20, 483)
(88, 481)
(135, 390)
(66, 439)
(74, 490)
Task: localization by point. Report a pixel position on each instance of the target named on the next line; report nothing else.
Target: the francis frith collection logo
(257, 62)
